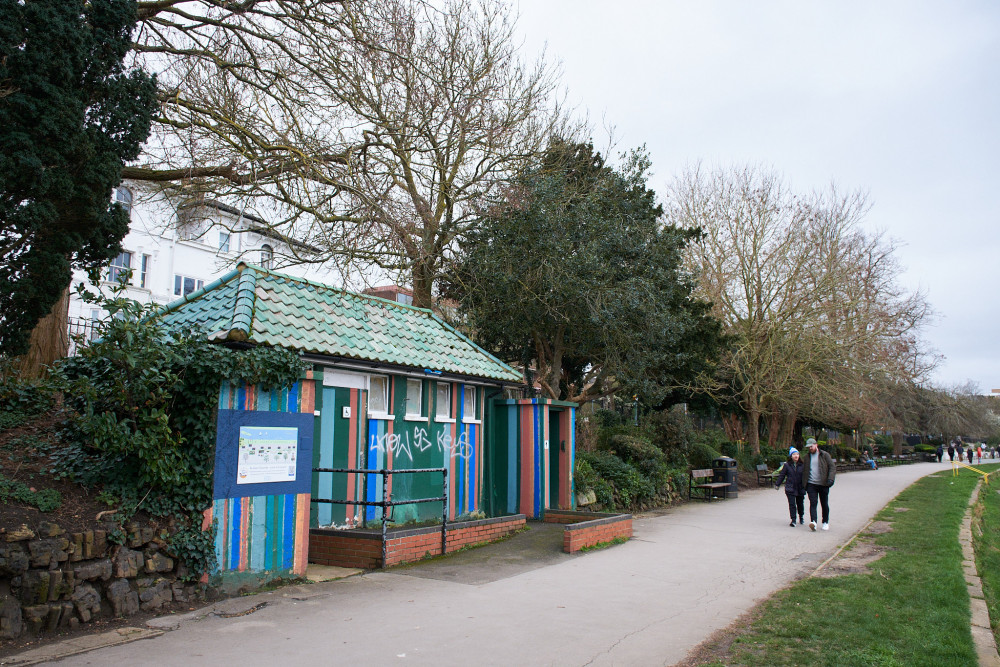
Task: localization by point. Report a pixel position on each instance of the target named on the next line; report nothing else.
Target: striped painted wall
(534, 451)
(262, 536)
(339, 442)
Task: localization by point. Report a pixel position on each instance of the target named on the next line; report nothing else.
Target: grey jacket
(827, 468)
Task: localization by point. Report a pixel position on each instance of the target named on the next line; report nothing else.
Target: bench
(765, 477)
(706, 490)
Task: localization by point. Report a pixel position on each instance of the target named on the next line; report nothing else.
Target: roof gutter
(397, 369)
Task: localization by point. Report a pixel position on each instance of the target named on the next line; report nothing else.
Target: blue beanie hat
(792, 450)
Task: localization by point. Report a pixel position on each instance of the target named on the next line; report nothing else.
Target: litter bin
(724, 469)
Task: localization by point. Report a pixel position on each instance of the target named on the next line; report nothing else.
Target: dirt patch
(901, 509)
(26, 456)
(854, 560)
(879, 527)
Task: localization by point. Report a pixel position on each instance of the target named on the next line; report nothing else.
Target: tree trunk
(49, 340)
(423, 283)
(753, 429)
(774, 430)
(787, 429)
(897, 443)
(733, 427)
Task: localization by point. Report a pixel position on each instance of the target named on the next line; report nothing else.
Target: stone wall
(52, 579)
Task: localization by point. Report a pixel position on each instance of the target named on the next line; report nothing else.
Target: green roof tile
(275, 309)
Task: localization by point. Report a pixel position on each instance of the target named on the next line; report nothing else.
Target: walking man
(817, 476)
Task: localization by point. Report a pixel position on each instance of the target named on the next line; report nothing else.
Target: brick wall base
(586, 529)
(363, 548)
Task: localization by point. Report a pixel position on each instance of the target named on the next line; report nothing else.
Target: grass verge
(911, 608)
(986, 541)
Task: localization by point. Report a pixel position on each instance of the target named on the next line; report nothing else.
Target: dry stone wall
(52, 579)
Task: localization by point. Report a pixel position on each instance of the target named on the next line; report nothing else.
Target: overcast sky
(901, 99)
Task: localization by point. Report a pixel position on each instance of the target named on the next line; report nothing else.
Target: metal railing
(387, 501)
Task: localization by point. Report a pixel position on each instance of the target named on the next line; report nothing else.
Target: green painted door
(555, 446)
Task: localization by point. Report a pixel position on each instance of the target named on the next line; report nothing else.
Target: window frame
(124, 201)
(266, 257)
(179, 290)
(474, 418)
(419, 414)
(225, 240)
(115, 270)
(144, 271)
(447, 417)
(375, 414)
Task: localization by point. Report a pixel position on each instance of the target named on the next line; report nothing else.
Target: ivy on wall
(141, 406)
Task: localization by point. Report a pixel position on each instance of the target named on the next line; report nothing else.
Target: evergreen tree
(576, 274)
(71, 115)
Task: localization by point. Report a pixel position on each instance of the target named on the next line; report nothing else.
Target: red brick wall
(364, 549)
(585, 529)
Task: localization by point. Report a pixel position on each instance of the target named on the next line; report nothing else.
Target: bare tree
(811, 300)
(370, 130)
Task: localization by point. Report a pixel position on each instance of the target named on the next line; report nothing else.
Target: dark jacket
(791, 475)
(827, 468)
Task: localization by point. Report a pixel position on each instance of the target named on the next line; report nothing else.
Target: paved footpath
(687, 573)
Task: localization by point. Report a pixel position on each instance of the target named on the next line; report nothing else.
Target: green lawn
(912, 608)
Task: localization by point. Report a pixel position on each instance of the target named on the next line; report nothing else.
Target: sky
(898, 99)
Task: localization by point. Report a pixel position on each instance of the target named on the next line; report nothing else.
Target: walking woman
(791, 475)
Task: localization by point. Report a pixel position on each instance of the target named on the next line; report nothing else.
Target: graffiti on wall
(403, 445)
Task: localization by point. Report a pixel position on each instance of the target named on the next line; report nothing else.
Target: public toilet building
(389, 387)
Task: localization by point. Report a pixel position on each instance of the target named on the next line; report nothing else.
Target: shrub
(925, 449)
(629, 486)
(672, 431)
(21, 400)
(702, 455)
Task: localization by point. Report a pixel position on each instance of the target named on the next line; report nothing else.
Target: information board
(267, 454)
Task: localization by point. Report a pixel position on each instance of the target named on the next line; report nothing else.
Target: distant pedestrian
(979, 454)
(969, 452)
(940, 452)
(959, 449)
(791, 475)
(818, 474)
(951, 450)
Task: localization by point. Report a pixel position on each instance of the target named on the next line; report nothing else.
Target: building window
(469, 404)
(378, 395)
(414, 397)
(120, 266)
(266, 256)
(443, 408)
(184, 285)
(223, 241)
(144, 274)
(123, 196)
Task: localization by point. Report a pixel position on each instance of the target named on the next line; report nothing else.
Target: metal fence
(387, 503)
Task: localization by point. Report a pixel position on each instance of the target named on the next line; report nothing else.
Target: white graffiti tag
(402, 444)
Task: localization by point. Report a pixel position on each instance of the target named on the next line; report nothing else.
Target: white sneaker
(812, 525)
(826, 526)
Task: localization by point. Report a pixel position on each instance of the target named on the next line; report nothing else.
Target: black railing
(387, 501)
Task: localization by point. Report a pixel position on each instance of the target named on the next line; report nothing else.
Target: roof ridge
(243, 308)
(174, 305)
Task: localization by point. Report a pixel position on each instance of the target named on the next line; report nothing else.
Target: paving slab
(688, 572)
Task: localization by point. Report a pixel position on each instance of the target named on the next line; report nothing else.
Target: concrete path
(687, 572)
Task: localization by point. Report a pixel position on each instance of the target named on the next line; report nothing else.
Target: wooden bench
(765, 477)
(706, 490)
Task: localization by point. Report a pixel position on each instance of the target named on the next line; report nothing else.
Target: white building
(174, 250)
